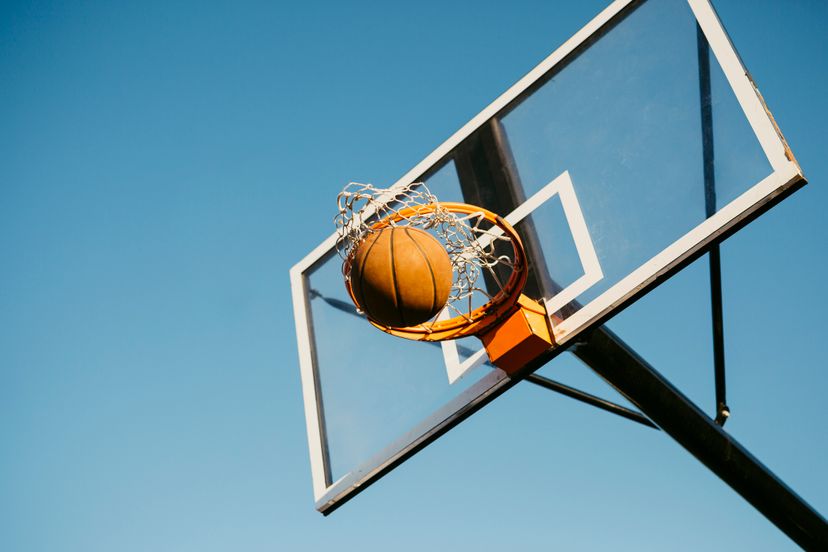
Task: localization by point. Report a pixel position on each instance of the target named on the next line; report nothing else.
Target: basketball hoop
(481, 245)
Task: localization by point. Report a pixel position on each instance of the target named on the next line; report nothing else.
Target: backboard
(619, 159)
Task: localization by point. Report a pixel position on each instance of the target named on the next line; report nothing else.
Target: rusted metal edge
(788, 153)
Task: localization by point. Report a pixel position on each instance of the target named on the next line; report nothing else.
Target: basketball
(400, 276)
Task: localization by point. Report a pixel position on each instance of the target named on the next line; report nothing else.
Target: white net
(473, 243)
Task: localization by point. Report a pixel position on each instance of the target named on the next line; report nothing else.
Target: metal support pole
(708, 154)
(591, 400)
(677, 416)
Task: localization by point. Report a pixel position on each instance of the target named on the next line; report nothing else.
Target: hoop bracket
(520, 338)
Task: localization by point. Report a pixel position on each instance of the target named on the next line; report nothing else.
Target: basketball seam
(362, 275)
(430, 270)
(397, 300)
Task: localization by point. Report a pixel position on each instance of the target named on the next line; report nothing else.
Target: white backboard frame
(786, 174)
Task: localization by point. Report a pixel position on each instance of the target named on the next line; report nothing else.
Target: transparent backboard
(635, 145)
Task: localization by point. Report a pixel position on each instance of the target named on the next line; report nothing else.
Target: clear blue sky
(162, 165)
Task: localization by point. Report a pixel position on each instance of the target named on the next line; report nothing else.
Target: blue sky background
(162, 165)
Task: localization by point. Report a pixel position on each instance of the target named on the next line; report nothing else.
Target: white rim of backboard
(785, 173)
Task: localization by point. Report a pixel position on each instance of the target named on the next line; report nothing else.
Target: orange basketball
(401, 276)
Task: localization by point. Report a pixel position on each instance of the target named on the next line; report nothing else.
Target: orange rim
(478, 320)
